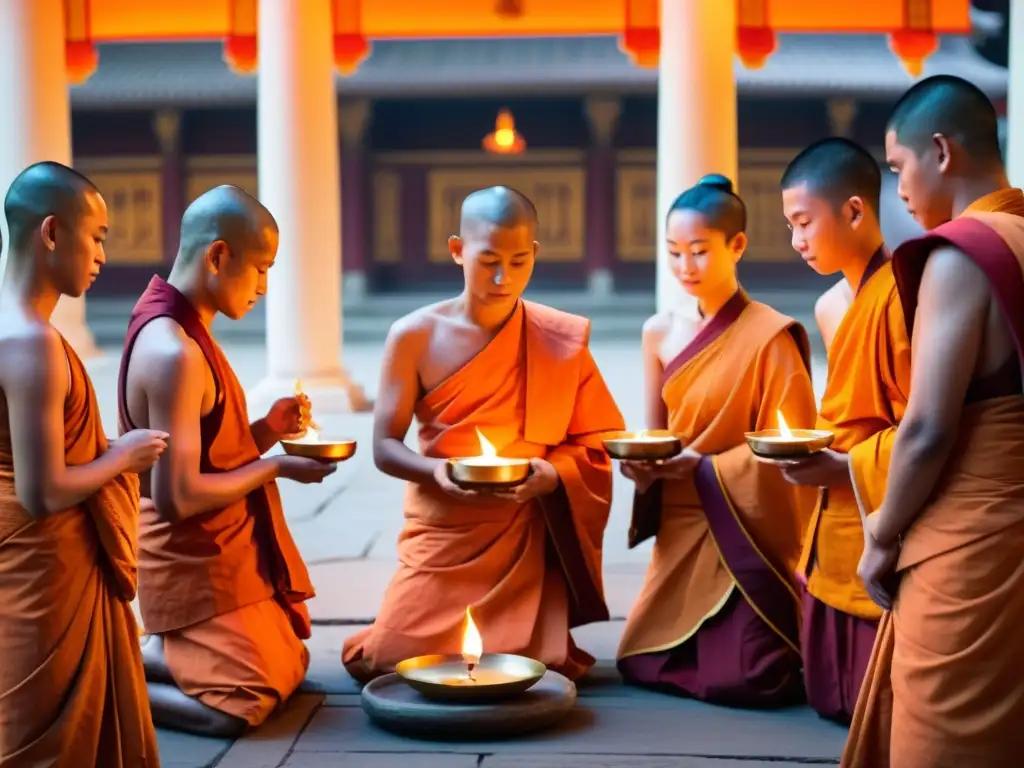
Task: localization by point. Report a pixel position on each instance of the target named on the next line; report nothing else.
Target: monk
(830, 195)
(718, 617)
(944, 686)
(488, 369)
(222, 583)
(72, 689)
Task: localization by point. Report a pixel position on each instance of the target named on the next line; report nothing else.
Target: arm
(396, 402)
(35, 384)
(263, 435)
(174, 387)
(654, 404)
(953, 303)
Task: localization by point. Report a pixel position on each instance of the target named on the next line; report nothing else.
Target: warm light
(486, 448)
(313, 429)
(472, 643)
(504, 140)
(784, 429)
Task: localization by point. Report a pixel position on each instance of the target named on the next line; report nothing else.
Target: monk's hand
(826, 469)
(139, 449)
(446, 484)
(543, 479)
(640, 472)
(288, 418)
(678, 467)
(876, 569)
(303, 470)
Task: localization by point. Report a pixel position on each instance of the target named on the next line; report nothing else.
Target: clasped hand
(542, 480)
(877, 567)
(646, 473)
(825, 469)
(288, 418)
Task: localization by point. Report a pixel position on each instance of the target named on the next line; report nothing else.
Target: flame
(486, 449)
(312, 429)
(784, 429)
(641, 434)
(472, 643)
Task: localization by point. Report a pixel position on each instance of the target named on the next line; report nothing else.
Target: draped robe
(865, 399)
(943, 688)
(72, 687)
(225, 589)
(718, 615)
(528, 573)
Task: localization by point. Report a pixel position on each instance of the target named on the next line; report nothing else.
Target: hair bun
(718, 181)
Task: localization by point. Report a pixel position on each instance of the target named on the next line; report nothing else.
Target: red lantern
(241, 46)
(80, 56)
(641, 35)
(351, 48)
(917, 40)
(755, 40)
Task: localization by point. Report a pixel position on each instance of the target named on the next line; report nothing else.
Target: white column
(37, 126)
(299, 181)
(1015, 98)
(696, 112)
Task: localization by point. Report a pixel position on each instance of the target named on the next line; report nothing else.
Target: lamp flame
(472, 643)
(488, 450)
(312, 429)
(504, 139)
(784, 429)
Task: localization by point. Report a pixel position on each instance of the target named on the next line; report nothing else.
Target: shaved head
(952, 107)
(497, 207)
(42, 190)
(225, 213)
(836, 169)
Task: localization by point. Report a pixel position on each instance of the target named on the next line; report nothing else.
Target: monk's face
(497, 261)
(922, 178)
(822, 234)
(239, 274)
(701, 258)
(74, 245)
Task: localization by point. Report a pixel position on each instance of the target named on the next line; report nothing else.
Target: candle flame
(486, 449)
(784, 429)
(472, 643)
(641, 434)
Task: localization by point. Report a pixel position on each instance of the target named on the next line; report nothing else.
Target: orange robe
(718, 615)
(72, 689)
(225, 588)
(864, 400)
(944, 686)
(528, 573)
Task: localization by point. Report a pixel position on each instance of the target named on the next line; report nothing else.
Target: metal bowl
(770, 444)
(475, 476)
(446, 678)
(324, 450)
(629, 446)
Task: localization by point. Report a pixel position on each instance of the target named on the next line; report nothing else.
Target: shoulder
(656, 328)
(163, 353)
(417, 326)
(564, 326)
(949, 269)
(834, 301)
(776, 332)
(33, 355)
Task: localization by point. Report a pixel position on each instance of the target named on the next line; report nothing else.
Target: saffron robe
(944, 685)
(224, 588)
(72, 688)
(528, 573)
(718, 615)
(864, 400)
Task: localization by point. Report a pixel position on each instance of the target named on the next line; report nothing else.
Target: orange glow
(755, 45)
(504, 140)
(472, 643)
(784, 430)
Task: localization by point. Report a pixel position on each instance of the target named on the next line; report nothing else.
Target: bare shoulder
(414, 329)
(30, 347)
(656, 327)
(835, 300)
(163, 353)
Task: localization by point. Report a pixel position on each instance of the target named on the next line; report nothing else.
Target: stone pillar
(298, 164)
(167, 127)
(37, 126)
(1015, 98)
(353, 120)
(697, 131)
(603, 116)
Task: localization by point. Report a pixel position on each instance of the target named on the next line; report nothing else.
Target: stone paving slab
(183, 750)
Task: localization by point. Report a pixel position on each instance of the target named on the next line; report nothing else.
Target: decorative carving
(353, 120)
(636, 190)
(603, 115)
(841, 113)
(558, 193)
(387, 217)
(167, 127)
(135, 202)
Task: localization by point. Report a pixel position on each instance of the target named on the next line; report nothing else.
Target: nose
(499, 276)
(799, 244)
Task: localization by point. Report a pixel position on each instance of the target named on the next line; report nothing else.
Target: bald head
(951, 107)
(836, 169)
(42, 190)
(497, 207)
(227, 214)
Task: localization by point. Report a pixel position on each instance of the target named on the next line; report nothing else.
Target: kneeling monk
(72, 689)
(519, 375)
(222, 584)
(718, 615)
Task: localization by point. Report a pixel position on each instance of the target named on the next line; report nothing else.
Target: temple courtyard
(346, 530)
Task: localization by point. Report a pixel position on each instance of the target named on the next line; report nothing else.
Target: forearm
(393, 457)
(263, 435)
(214, 490)
(77, 483)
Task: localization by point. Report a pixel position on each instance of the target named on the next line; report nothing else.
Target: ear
(216, 256)
(855, 206)
(536, 249)
(48, 232)
(942, 147)
(738, 245)
(455, 249)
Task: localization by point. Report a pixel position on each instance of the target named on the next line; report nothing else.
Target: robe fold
(718, 615)
(225, 589)
(944, 686)
(72, 688)
(528, 573)
(865, 399)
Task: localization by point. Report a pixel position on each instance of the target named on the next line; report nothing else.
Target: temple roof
(194, 73)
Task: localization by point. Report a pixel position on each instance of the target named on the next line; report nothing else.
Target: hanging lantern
(641, 34)
(351, 48)
(241, 46)
(917, 40)
(755, 40)
(80, 56)
(504, 139)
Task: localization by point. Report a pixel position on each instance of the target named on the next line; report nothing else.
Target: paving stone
(326, 673)
(184, 750)
(378, 760)
(271, 743)
(606, 761)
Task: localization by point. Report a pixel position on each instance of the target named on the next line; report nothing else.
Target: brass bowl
(478, 476)
(323, 450)
(626, 446)
(446, 678)
(769, 443)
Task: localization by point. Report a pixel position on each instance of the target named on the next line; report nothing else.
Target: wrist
(275, 465)
(880, 531)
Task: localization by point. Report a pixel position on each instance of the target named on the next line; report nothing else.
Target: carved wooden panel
(769, 236)
(558, 193)
(636, 227)
(201, 180)
(135, 210)
(387, 217)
